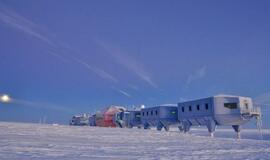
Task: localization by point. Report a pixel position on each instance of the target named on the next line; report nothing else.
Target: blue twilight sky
(59, 58)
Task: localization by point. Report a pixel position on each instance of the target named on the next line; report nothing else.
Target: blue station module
(217, 110)
(128, 119)
(160, 117)
(92, 120)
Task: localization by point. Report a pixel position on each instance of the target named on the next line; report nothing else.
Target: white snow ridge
(20, 141)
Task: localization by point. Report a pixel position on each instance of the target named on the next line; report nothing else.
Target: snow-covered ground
(20, 141)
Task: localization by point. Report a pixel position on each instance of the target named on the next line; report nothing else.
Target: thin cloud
(21, 23)
(130, 63)
(122, 92)
(101, 73)
(198, 74)
(134, 87)
(25, 25)
(58, 56)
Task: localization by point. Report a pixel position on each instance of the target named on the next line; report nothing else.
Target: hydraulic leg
(237, 129)
(146, 126)
(211, 126)
(159, 126)
(164, 125)
(186, 127)
(181, 127)
(167, 128)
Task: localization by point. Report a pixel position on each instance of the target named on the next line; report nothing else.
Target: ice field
(21, 141)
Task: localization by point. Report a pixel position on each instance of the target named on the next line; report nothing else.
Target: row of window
(148, 113)
(173, 112)
(198, 107)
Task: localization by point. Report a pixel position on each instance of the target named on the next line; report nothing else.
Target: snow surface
(19, 141)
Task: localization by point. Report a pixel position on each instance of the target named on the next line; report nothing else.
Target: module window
(230, 105)
(206, 106)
